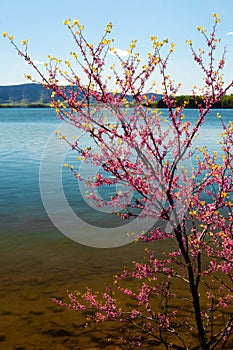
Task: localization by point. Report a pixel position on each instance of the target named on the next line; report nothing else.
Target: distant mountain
(23, 94)
(26, 94)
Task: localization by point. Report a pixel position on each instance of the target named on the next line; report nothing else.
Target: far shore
(30, 105)
(47, 105)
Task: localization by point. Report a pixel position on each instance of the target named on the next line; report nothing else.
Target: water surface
(36, 260)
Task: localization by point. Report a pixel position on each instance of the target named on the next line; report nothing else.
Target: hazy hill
(23, 94)
(32, 93)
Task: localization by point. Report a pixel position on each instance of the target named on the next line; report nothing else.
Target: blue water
(24, 134)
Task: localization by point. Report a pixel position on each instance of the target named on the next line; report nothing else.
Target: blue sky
(42, 22)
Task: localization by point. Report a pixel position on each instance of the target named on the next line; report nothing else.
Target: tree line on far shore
(193, 102)
(188, 101)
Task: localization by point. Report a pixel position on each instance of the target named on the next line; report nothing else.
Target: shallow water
(36, 267)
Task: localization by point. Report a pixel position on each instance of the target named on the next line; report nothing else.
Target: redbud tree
(150, 153)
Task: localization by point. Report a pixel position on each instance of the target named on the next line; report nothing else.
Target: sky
(177, 20)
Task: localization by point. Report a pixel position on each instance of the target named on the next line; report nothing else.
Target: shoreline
(47, 105)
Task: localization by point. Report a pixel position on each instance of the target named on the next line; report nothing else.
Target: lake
(24, 134)
(37, 261)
